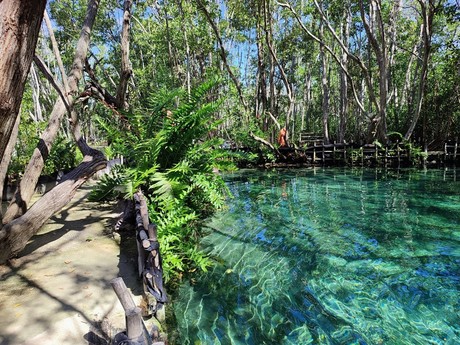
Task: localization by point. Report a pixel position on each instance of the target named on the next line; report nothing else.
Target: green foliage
(110, 186)
(172, 158)
(62, 157)
(29, 132)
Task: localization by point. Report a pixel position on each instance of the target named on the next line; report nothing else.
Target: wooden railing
(151, 272)
(149, 259)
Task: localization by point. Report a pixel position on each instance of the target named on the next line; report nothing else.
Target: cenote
(330, 256)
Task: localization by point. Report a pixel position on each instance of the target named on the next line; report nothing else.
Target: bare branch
(47, 74)
(223, 53)
(336, 58)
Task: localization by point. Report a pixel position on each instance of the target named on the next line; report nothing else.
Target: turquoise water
(330, 256)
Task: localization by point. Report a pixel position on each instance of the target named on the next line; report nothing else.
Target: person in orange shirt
(282, 137)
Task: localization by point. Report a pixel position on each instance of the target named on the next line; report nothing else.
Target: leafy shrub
(172, 158)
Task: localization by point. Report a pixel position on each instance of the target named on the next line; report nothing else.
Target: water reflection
(330, 257)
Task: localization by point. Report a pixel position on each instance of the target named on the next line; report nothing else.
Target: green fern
(110, 186)
(172, 160)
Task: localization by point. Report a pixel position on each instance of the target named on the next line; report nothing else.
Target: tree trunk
(324, 85)
(343, 78)
(26, 189)
(15, 234)
(261, 86)
(271, 76)
(6, 159)
(19, 27)
(375, 32)
(126, 70)
(427, 17)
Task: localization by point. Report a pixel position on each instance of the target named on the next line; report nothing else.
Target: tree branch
(336, 58)
(47, 73)
(223, 53)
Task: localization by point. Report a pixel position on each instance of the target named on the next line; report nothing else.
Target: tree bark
(26, 189)
(19, 28)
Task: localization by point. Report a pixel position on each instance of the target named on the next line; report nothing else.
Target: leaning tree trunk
(15, 234)
(21, 199)
(19, 27)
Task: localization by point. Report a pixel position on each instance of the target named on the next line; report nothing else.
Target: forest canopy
(351, 71)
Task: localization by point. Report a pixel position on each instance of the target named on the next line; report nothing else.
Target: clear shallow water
(330, 257)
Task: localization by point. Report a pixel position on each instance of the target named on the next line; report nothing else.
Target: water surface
(329, 256)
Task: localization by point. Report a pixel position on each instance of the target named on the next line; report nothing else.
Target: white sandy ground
(58, 291)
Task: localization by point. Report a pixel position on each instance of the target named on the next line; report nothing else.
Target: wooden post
(445, 153)
(314, 152)
(134, 328)
(385, 158)
(324, 158)
(123, 294)
(455, 152)
(333, 151)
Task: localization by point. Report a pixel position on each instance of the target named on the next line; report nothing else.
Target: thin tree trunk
(261, 74)
(223, 53)
(324, 85)
(19, 28)
(353, 57)
(405, 98)
(427, 17)
(126, 70)
(19, 204)
(6, 159)
(187, 51)
(271, 75)
(57, 55)
(274, 61)
(377, 129)
(343, 78)
(35, 84)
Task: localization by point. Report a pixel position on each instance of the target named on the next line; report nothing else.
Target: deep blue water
(330, 256)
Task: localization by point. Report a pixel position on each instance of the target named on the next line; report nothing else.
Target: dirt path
(58, 292)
